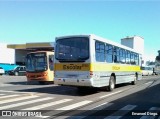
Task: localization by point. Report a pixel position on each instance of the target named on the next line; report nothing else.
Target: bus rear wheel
(111, 84)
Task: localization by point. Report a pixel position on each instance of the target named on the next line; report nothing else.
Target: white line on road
(91, 111)
(8, 96)
(2, 94)
(69, 107)
(102, 106)
(150, 113)
(47, 104)
(122, 111)
(17, 99)
(43, 117)
(9, 91)
(24, 103)
(149, 82)
(73, 106)
(111, 94)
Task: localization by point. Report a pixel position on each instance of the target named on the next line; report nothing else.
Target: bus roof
(93, 36)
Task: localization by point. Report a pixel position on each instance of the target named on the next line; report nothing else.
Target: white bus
(147, 70)
(92, 61)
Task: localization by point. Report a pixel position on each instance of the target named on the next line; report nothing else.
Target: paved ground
(52, 101)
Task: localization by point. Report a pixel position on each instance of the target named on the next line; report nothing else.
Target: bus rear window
(72, 49)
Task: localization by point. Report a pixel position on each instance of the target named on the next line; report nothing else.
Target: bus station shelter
(22, 49)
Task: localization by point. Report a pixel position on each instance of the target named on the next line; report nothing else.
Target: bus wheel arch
(112, 82)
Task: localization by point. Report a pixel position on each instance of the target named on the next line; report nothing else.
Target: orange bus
(40, 66)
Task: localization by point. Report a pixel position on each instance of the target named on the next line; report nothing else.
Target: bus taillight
(91, 73)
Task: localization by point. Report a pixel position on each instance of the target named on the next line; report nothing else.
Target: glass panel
(72, 49)
(116, 55)
(51, 62)
(36, 62)
(100, 51)
(128, 57)
(133, 58)
(109, 53)
(122, 56)
(136, 59)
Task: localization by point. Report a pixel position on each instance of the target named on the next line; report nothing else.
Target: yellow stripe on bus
(113, 67)
(72, 66)
(95, 67)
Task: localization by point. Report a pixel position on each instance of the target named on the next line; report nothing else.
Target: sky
(41, 21)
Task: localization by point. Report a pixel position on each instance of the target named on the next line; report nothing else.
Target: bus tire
(111, 83)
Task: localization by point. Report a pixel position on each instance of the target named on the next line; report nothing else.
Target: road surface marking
(111, 94)
(149, 82)
(73, 106)
(24, 103)
(17, 99)
(47, 104)
(91, 111)
(8, 91)
(151, 113)
(43, 117)
(120, 113)
(2, 94)
(8, 96)
(102, 106)
(69, 107)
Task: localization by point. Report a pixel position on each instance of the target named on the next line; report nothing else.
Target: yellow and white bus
(92, 61)
(40, 66)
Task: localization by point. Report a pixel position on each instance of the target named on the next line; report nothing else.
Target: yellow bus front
(39, 66)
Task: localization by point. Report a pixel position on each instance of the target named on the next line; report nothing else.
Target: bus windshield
(36, 62)
(72, 49)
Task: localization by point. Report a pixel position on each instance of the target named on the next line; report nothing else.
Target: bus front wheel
(111, 83)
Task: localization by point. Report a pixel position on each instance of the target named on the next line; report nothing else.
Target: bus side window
(136, 59)
(100, 51)
(122, 56)
(133, 59)
(128, 57)
(109, 53)
(116, 55)
(51, 64)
